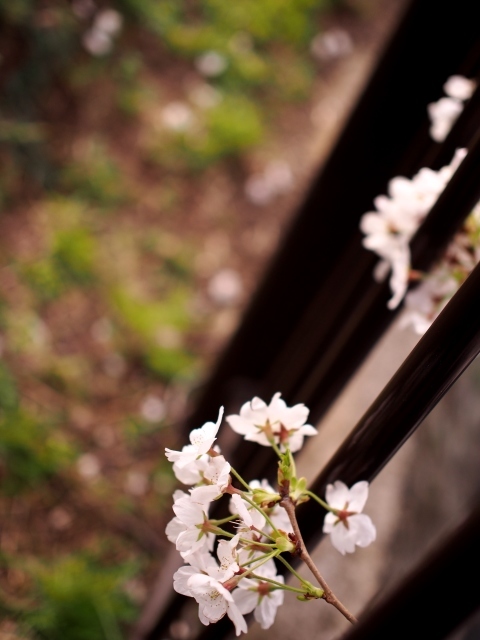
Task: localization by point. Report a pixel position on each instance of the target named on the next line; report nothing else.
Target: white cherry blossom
(192, 517)
(347, 526)
(260, 422)
(201, 441)
(227, 557)
(215, 601)
(459, 87)
(443, 114)
(215, 475)
(389, 230)
(425, 302)
(445, 111)
(260, 596)
(198, 562)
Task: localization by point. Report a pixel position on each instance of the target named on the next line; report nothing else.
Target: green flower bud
(285, 544)
(265, 498)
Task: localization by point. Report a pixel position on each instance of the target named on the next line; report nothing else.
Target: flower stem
(265, 558)
(321, 502)
(260, 510)
(263, 533)
(245, 564)
(328, 595)
(279, 585)
(240, 479)
(273, 444)
(291, 569)
(267, 545)
(224, 520)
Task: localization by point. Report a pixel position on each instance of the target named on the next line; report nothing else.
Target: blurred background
(151, 155)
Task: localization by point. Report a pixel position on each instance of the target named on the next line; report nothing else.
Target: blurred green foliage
(30, 450)
(211, 23)
(228, 128)
(70, 263)
(95, 178)
(79, 597)
(263, 45)
(146, 319)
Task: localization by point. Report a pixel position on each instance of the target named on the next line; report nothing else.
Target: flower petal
(358, 496)
(337, 494)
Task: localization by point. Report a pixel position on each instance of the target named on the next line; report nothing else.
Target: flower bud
(285, 544)
(264, 498)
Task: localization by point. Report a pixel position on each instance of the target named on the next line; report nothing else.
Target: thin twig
(303, 554)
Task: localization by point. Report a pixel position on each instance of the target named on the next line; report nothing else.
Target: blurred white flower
(153, 409)
(88, 466)
(389, 229)
(109, 21)
(445, 111)
(331, 44)
(211, 63)
(225, 287)
(459, 87)
(177, 116)
(275, 180)
(443, 114)
(136, 483)
(424, 303)
(98, 40)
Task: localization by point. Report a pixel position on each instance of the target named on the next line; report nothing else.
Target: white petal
(329, 522)
(190, 541)
(343, 539)
(174, 528)
(180, 579)
(241, 425)
(267, 610)
(365, 531)
(202, 439)
(276, 409)
(205, 494)
(241, 508)
(245, 599)
(358, 496)
(337, 494)
(188, 511)
(236, 617)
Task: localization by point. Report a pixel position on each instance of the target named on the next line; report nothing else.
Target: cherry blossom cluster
(424, 303)
(398, 215)
(445, 111)
(235, 572)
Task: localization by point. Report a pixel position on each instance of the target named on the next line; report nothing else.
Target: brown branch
(303, 554)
